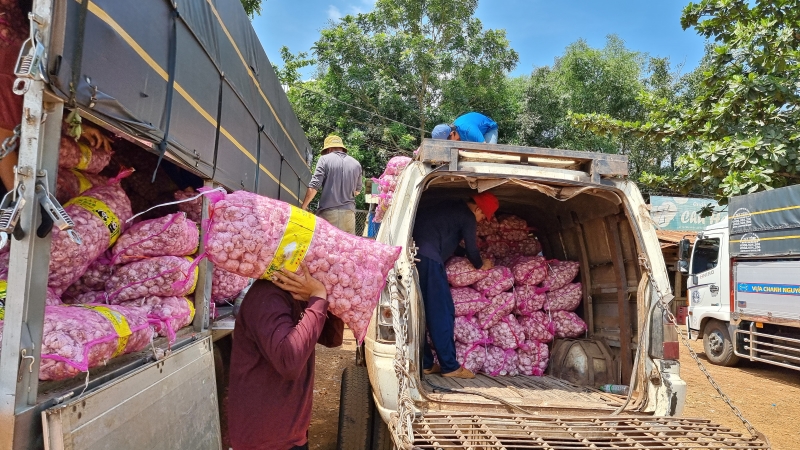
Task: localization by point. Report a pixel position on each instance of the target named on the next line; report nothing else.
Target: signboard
(683, 213)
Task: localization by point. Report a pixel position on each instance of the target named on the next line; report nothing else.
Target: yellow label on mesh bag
(103, 212)
(3, 293)
(83, 183)
(196, 274)
(295, 242)
(86, 156)
(120, 324)
(2, 313)
(191, 307)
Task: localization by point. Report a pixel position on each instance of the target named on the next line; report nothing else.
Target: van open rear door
(513, 431)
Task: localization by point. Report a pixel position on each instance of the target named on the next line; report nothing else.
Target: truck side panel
(769, 290)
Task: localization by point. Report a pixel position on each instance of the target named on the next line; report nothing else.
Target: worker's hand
(304, 207)
(301, 285)
(95, 137)
(487, 264)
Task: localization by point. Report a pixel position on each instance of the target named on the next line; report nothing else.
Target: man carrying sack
(338, 175)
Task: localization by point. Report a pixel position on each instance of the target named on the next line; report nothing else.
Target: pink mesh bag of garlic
(488, 227)
(567, 324)
(73, 154)
(77, 338)
(500, 362)
(538, 326)
(508, 333)
(559, 273)
(162, 276)
(167, 314)
(528, 300)
(387, 183)
(532, 360)
(226, 285)
(529, 270)
(99, 215)
(461, 272)
(93, 280)
(192, 208)
(254, 236)
(72, 182)
(566, 298)
(512, 222)
(498, 249)
(499, 279)
(501, 305)
(467, 330)
(526, 247)
(171, 235)
(468, 301)
(471, 356)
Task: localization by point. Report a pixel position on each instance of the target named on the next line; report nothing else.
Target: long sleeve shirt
(272, 367)
(439, 228)
(338, 176)
(472, 126)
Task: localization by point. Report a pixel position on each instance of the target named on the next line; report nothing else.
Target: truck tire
(381, 438)
(718, 345)
(355, 410)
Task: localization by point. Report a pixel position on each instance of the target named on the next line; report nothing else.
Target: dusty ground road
(769, 396)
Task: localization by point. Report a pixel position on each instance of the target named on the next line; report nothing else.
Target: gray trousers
(343, 219)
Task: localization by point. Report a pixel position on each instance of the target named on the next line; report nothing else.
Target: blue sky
(539, 30)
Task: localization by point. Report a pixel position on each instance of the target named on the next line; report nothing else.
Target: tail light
(385, 318)
(670, 347)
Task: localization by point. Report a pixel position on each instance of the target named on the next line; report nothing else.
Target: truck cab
(584, 209)
(709, 290)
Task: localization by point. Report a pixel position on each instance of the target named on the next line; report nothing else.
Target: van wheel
(718, 345)
(381, 438)
(355, 410)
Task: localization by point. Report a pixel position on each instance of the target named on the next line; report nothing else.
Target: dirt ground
(769, 396)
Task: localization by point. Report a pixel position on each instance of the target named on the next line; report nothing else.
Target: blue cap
(441, 131)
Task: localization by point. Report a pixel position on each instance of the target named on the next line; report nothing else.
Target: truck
(585, 209)
(191, 100)
(743, 280)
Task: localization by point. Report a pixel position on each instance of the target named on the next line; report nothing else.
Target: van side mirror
(683, 250)
(683, 266)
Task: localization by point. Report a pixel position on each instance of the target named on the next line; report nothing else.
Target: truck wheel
(381, 438)
(355, 410)
(718, 345)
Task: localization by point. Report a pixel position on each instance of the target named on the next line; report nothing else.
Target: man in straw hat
(338, 176)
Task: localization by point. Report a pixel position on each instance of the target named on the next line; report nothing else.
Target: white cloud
(334, 13)
(364, 7)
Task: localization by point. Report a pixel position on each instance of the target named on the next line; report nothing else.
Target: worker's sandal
(434, 369)
(462, 372)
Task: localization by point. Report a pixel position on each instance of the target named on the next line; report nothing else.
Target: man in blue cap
(471, 127)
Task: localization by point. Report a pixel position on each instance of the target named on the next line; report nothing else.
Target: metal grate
(510, 432)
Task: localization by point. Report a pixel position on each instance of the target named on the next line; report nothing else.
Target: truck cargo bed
(525, 391)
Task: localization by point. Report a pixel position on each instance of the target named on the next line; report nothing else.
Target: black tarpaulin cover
(228, 118)
(765, 223)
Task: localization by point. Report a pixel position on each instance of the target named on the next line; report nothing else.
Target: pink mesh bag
(99, 215)
(226, 285)
(72, 182)
(467, 331)
(253, 236)
(93, 280)
(77, 338)
(529, 270)
(501, 306)
(460, 272)
(167, 314)
(508, 333)
(78, 155)
(538, 327)
(500, 362)
(471, 356)
(468, 301)
(567, 324)
(528, 300)
(499, 279)
(192, 208)
(163, 276)
(566, 298)
(532, 360)
(559, 273)
(171, 235)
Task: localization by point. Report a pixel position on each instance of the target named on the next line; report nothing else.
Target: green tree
(385, 78)
(741, 127)
(252, 7)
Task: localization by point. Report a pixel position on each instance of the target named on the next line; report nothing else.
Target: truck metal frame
(194, 87)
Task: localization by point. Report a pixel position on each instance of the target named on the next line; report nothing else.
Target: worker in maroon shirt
(272, 363)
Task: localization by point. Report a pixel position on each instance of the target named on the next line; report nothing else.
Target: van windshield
(706, 255)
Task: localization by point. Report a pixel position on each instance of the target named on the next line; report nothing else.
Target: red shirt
(272, 367)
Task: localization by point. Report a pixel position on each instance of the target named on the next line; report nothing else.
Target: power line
(298, 86)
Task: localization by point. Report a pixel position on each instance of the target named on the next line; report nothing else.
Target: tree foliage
(252, 7)
(741, 127)
(385, 77)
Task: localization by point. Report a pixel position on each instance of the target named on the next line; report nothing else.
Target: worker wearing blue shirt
(470, 127)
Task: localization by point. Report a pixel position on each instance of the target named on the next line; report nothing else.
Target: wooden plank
(623, 305)
(586, 275)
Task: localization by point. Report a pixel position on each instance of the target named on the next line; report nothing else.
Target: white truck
(744, 281)
(584, 209)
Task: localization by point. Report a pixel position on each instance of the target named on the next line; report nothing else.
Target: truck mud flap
(506, 431)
